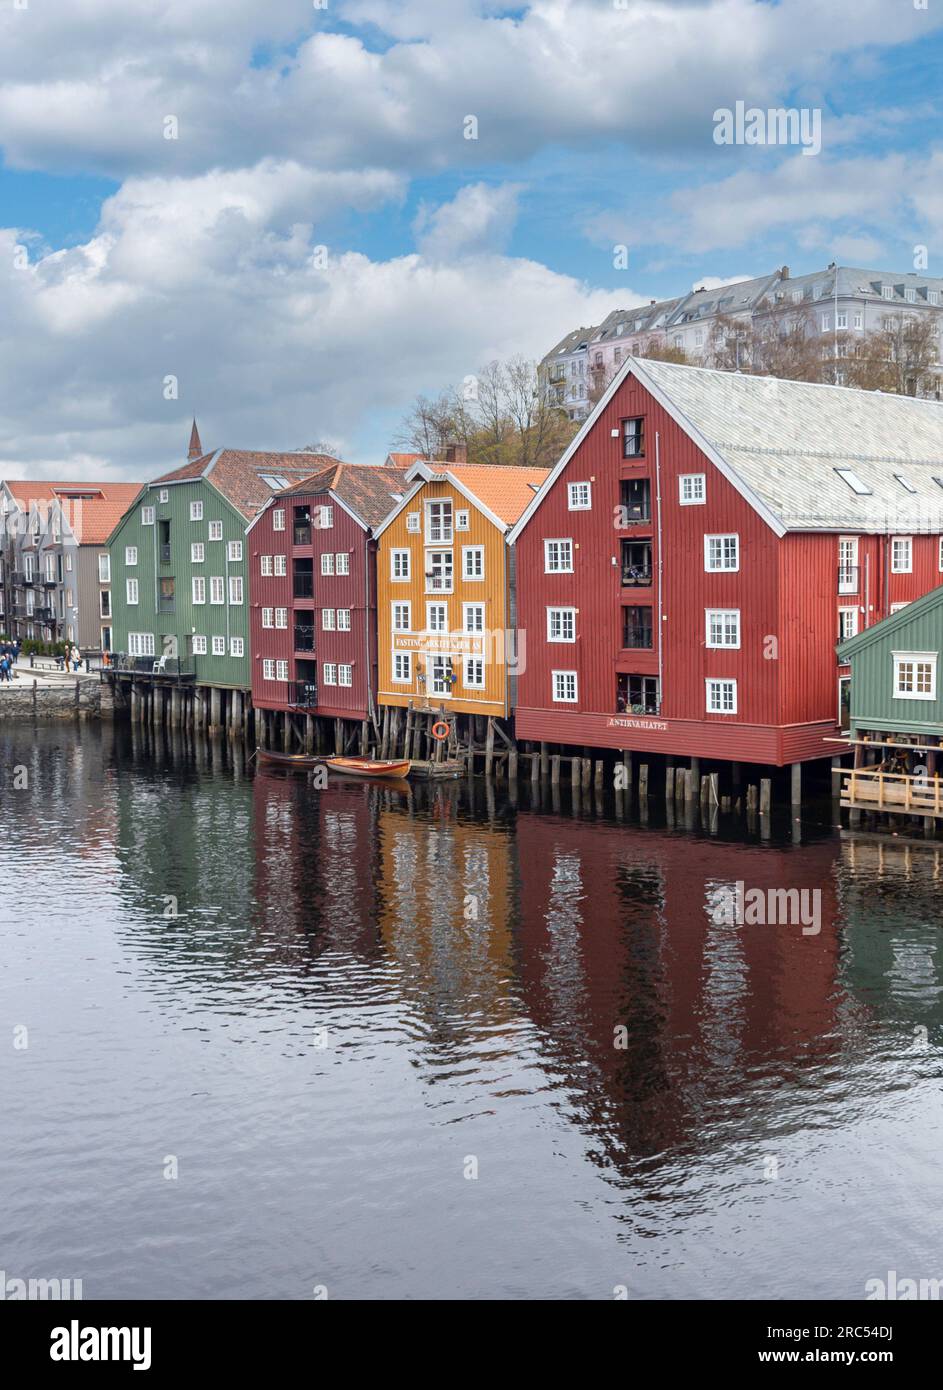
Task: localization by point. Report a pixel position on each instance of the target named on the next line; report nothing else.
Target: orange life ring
(443, 726)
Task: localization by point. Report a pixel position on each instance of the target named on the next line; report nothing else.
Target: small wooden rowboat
(302, 760)
(369, 767)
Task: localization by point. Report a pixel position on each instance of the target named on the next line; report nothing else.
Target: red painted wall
(356, 591)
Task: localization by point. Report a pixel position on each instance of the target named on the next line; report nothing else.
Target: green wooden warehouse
(896, 712)
(180, 589)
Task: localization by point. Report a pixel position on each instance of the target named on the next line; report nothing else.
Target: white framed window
(399, 565)
(902, 561)
(412, 521)
(328, 672)
(278, 519)
(343, 619)
(196, 511)
(564, 687)
(914, 675)
(280, 563)
(265, 565)
(462, 519)
(345, 675)
(579, 497)
(130, 555)
(896, 607)
(857, 485)
(131, 591)
(268, 615)
(328, 623)
(841, 321)
(721, 696)
(219, 646)
(473, 562)
(217, 589)
(402, 617)
(473, 617)
(234, 550)
(68, 563)
(104, 569)
(402, 666)
(198, 588)
(164, 494)
(848, 564)
(197, 552)
(237, 646)
(887, 291)
(438, 571)
(859, 321)
(692, 489)
(147, 516)
(215, 531)
(199, 646)
(281, 670)
(281, 617)
(437, 617)
(722, 627)
(141, 643)
(561, 624)
(325, 518)
(342, 562)
(235, 589)
(268, 669)
(847, 623)
(721, 553)
(473, 677)
(439, 521)
(327, 563)
(558, 557)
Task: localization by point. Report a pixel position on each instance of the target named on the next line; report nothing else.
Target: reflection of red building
(617, 931)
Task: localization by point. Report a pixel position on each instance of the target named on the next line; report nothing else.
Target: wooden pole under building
(765, 795)
(489, 747)
(544, 759)
(555, 770)
(795, 787)
(643, 782)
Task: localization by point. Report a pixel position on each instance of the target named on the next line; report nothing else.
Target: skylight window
(849, 476)
(904, 482)
(938, 481)
(274, 480)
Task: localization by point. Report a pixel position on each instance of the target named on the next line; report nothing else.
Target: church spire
(196, 448)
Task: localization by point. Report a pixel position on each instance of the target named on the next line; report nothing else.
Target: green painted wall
(917, 628)
(226, 620)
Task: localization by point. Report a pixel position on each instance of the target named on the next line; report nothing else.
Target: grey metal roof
(784, 441)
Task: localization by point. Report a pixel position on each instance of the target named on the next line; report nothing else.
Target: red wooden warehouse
(687, 568)
(312, 592)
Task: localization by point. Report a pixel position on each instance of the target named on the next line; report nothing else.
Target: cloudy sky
(276, 202)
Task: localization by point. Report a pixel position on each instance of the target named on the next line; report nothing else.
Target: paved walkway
(46, 678)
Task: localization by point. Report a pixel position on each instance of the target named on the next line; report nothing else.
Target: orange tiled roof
(92, 510)
(506, 491)
(404, 460)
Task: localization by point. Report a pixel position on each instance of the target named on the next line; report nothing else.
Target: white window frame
(281, 619)
(104, 568)
(198, 589)
(403, 661)
(132, 592)
(402, 608)
(343, 620)
(462, 519)
(268, 669)
(472, 555)
(561, 568)
(692, 489)
(268, 617)
(280, 566)
(848, 545)
(234, 550)
(342, 562)
(278, 519)
(327, 562)
(148, 516)
(266, 569)
(328, 672)
(196, 510)
(443, 609)
(345, 674)
(217, 589)
(573, 497)
(719, 681)
(328, 620)
(214, 531)
(564, 699)
(237, 646)
(470, 663)
(469, 611)
(140, 643)
(721, 617)
(219, 645)
(907, 544)
(199, 645)
(197, 552)
(403, 559)
(413, 521)
(442, 508)
(130, 556)
(721, 537)
(915, 659)
(844, 613)
(236, 591)
(563, 614)
(281, 670)
(325, 518)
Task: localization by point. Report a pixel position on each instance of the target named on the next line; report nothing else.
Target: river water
(263, 1041)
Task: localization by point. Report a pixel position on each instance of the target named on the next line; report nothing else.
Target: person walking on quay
(4, 667)
(16, 650)
(76, 658)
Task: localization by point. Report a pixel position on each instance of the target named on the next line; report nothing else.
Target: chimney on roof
(784, 273)
(456, 453)
(196, 448)
(653, 301)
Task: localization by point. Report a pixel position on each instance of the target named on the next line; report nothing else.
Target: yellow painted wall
(492, 591)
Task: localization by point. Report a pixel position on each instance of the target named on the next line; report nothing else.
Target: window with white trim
(236, 646)
(692, 489)
(234, 550)
(217, 589)
(474, 673)
(462, 520)
(199, 646)
(558, 557)
(131, 555)
(402, 617)
(721, 553)
(412, 521)
(474, 617)
(265, 565)
(437, 617)
(219, 646)
(564, 687)
(402, 666)
(561, 624)
(131, 591)
(281, 566)
(197, 552)
(325, 518)
(278, 519)
(342, 562)
(215, 531)
(281, 618)
(848, 564)
(328, 623)
(721, 696)
(914, 675)
(722, 627)
(902, 555)
(198, 588)
(268, 669)
(399, 565)
(343, 619)
(268, 617)
(579, 497)
(164, 494)
(327, 563)
(196, 511)
(847, 623)
(439, 521)
(281, 670)
(328, 672)
(147, 516)
(235, 589)
(473, 562)
(140, 643)
(104, 569)
(345, 675)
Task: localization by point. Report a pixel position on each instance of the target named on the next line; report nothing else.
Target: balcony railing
(45, 615)
(302, 585)
(634, 635)
(165, 554)
(304, 637)
(303, 694)
(49, 582)
(847, 579)
(438, 583)
(639, 576)
(171, 667)
(302, 535)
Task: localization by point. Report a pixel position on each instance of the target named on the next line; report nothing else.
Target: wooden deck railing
(868, 788)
